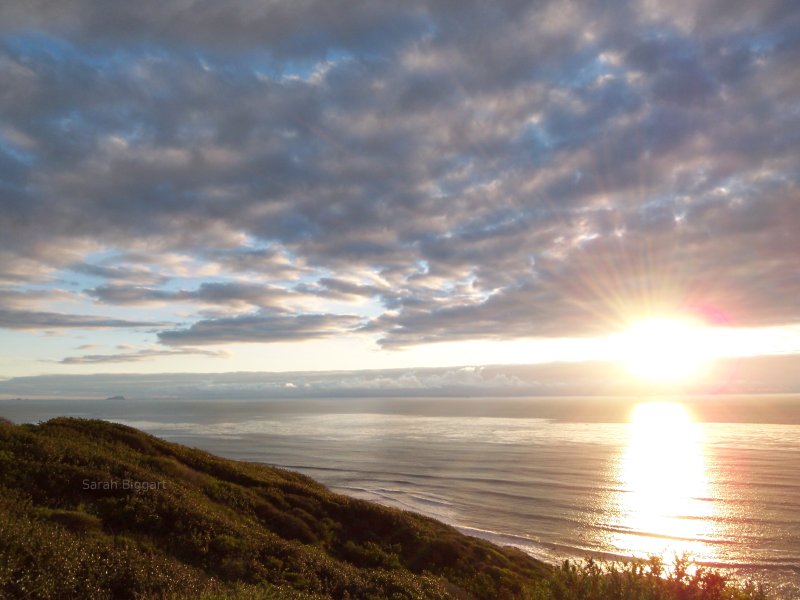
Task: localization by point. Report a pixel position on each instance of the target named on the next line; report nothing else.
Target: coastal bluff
(92, 509)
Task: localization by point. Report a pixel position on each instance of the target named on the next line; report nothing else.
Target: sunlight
(665, 349)
(664, 506)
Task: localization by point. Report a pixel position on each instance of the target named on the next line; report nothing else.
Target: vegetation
(181, 523)
(641, 580)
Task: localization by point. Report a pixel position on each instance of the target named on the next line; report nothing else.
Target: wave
(788, 563)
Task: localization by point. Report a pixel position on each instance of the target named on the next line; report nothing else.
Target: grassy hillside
(199, 526)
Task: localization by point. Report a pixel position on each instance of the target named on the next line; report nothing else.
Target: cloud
(768, 374)
(137, 356)
(20, 309)
(329, 287)
(262, 326)
(470, 171)
(116, 273)
(227, 293)
(270, 262)
(299, 30)
(26, 298)
(25, 319)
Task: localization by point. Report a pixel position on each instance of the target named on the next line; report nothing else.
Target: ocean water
(718, 479)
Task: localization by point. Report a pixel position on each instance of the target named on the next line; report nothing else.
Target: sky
(189, 186)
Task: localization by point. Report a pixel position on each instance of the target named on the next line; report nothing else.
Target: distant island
(116, 398)
(91, 509)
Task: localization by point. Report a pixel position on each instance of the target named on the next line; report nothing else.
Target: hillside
(90, 509)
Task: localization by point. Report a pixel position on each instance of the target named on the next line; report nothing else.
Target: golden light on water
(664, 506)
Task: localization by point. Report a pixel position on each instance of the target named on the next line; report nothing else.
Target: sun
(665, 349)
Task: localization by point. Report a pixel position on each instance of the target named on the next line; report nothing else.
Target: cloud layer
(755, 375)
(416, 171)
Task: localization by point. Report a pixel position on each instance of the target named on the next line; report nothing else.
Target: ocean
(715, 478)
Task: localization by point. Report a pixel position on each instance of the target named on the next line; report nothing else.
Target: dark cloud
(26, 319)
(262, 327)
(299, 30)
(229, 293)
(480, 170)
(127, 274)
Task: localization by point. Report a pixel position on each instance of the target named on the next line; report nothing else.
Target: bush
(74, 521)
(641, 580)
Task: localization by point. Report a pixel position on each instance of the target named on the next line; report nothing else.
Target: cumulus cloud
(475, 171)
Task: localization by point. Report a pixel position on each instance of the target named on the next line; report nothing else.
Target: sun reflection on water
(664, 507)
